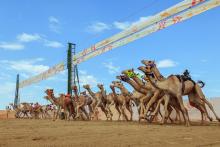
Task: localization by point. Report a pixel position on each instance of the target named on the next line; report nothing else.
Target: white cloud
(121, 25)
(24, 37)
(141, 19)
(53, 19)
(98, 27)
(29, 67)
(53, 44)
(54, 24)
(112, 69)
(166, 63)
(204, 60)
(86, 78)
(11, 46)
(126, 25)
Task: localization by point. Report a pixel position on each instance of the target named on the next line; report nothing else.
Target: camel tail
(202, 84)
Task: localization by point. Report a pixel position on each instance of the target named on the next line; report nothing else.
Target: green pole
(16, 101)
(69, 68)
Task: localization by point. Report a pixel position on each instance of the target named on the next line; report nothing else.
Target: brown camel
(96, 102)
(141, 95)
(118, 101)
(107, 100)
(63, 102)
(192, 89)
(151, 89)
(171, 87)
(82, 101)
(127, 103)
(22, 108)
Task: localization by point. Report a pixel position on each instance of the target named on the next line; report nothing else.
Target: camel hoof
(187, 125)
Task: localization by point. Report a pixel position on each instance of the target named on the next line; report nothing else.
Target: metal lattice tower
(73, 76)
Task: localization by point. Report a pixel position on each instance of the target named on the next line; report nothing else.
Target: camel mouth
(140, 68)
(143, 61)
(111, 86)
(118, 77)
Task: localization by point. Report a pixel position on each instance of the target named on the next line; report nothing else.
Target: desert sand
(33, 133)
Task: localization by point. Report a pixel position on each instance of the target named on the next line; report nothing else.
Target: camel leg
(119, 112)
(104, 110)
(158, 106)
(78, 108)
(90, 111)
(85, 112)
(202, 96)
(199, 104)
(178, 118)
(170, 109)
(129, 108)
(166, 98)
(109, 110)
(58, 110)
(123, 110)
(152, 100)
(184, 110)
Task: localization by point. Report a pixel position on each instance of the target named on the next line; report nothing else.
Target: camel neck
(124, 90)
(138, 81)
(90, 92)
(157, 73)
(113, 90)
(103, 92)
(136, 86)
(76, 94)
(53, 100)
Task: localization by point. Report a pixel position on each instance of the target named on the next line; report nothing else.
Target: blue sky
(34, 36)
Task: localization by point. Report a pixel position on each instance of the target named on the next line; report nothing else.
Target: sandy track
(77, 133)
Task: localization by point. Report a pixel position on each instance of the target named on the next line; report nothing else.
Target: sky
(34, 37)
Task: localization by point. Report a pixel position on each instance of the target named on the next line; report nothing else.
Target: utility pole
(16, 100)
(73, 77)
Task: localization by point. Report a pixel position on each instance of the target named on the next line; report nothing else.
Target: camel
(82, 101)
(63, 102)
(171, 87)
(142, 93)
(22, 108)
(48, 108)
(190, 88)
(118, 101)
(127, 103)
(107, 100)
(97, 101)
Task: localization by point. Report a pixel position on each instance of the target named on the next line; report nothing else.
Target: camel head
(100, 86)
(148, 62)
(87, 86)
(129, 72)
(83, 93)
(150, 65)
(67, 95)
(145, 69)
(74, 88)
(124, 78)
(49, 93)
(112, 86)
(118, 84)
